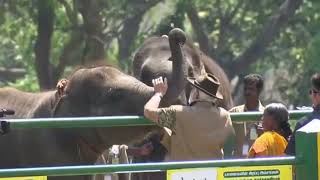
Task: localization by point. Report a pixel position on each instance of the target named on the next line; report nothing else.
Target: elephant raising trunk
(177, 82)
(166, 60)
(154, 56)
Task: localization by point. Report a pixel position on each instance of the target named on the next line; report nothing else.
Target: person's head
(315, 89)
(253, 85)
(205, 87)
(275, 118)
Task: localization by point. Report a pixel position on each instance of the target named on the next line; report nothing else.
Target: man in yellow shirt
(253, 85)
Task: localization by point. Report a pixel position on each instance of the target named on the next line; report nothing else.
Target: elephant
(95, 91)
(153, 59)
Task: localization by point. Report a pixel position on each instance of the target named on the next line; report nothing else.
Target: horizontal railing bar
(112, 121)
(142, 167)
(79, 122)
(256, 116)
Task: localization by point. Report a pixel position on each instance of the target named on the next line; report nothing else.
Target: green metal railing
(140, 121)
(112, 121)
(255, 116)
(143, 167)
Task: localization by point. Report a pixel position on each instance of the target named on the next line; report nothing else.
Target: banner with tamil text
(281, 172)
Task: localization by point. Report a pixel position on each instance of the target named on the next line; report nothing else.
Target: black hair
(159, 151)
(281, 115)
(315, 81)
(254, 78)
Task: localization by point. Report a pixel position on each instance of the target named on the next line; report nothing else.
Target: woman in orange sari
(276, 129)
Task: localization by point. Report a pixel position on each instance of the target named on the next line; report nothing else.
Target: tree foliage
(40, 41)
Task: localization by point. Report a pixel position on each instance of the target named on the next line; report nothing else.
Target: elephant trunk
(177, 84)
(146, 91)
(142, 93)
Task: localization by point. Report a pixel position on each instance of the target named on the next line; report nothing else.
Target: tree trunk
(204, 42)
(92, 22)
(131, 28)
(42, 46)
(126, 39)
(71, 48)
(270, 29)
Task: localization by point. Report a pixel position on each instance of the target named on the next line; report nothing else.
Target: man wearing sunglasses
(314, 93)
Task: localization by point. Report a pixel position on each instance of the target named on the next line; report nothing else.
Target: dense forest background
(42, 41)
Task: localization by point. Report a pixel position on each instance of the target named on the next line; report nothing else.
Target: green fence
(143, 167)
(306, 160)
(112, 121)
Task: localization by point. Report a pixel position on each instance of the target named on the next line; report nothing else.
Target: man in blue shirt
(314, 93)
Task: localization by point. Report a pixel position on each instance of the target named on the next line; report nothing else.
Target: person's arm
(164, 117)
(259, 148)
(151, 109)
(144, 150)
(261, 154)
(253, 154)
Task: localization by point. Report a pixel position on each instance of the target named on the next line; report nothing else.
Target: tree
(70, 32)
(272, 38)
(240, 31)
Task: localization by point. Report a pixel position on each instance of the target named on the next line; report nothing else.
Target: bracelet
(158, 94)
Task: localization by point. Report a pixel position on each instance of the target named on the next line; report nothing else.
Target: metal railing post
(307, 149)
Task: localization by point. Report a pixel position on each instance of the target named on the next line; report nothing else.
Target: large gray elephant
(99, 91)
(153, 59)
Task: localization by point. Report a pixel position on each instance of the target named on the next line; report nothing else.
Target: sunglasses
(313, 91)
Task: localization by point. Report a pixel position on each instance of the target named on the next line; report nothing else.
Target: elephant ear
(194, 58)
(61, 98)
(61, 87)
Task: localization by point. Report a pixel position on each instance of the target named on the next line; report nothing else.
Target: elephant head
(103, 91)
(164, 56)
(154, 57)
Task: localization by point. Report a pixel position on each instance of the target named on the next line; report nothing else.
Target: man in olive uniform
(246, 131)
(200, 130)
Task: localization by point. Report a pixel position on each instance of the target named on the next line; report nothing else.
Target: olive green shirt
(198, 133)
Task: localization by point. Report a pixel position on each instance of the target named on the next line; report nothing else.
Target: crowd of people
(201, 129)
